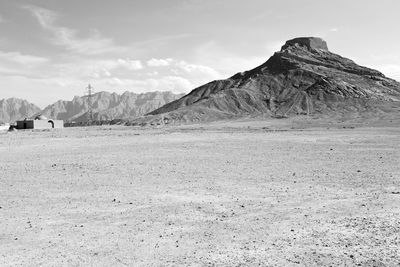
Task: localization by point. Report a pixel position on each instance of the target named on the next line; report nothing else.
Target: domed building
(41, 117)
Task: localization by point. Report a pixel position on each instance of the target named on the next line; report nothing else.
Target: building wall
(45, 124)
(58, 123)
(39, 124)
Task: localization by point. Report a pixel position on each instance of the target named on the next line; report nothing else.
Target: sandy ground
(226, 195)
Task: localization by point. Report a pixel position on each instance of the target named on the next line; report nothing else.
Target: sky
(52, 49)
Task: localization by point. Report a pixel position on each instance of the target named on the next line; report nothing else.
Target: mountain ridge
(108, 106)
(13, 109)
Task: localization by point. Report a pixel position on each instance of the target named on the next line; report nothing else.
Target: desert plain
(243, 193)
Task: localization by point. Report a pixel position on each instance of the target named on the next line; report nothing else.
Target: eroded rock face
(308, 42)
(304, 77)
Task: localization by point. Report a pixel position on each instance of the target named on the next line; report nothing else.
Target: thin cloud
(87, 69)
(19, 64)
(183, 66)
(154, 62)
(196, 68)
(67, 37)
(20, 58)
(197, 4)
(130, 64)
(227, 63)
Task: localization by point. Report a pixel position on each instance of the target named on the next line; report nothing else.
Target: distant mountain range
(109, 106)
(13, 109)
(106, 106)
(303, 78)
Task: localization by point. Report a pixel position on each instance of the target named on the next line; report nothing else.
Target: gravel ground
(205, 195)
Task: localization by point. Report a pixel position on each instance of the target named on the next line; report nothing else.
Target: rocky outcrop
(304, 77)
(308, 42)
(13, 109)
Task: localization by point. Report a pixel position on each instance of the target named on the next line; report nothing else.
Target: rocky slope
(304, 77)
(109, 106)
(13, 109)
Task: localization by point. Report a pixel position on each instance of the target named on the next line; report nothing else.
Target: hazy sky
(51, 49)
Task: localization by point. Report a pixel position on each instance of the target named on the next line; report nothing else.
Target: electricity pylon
(89, 91)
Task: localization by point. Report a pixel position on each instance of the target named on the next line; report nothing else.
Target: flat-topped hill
(303, 78)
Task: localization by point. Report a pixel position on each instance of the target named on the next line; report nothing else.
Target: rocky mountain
(13, 109)
(109, 106)
(304, 77)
